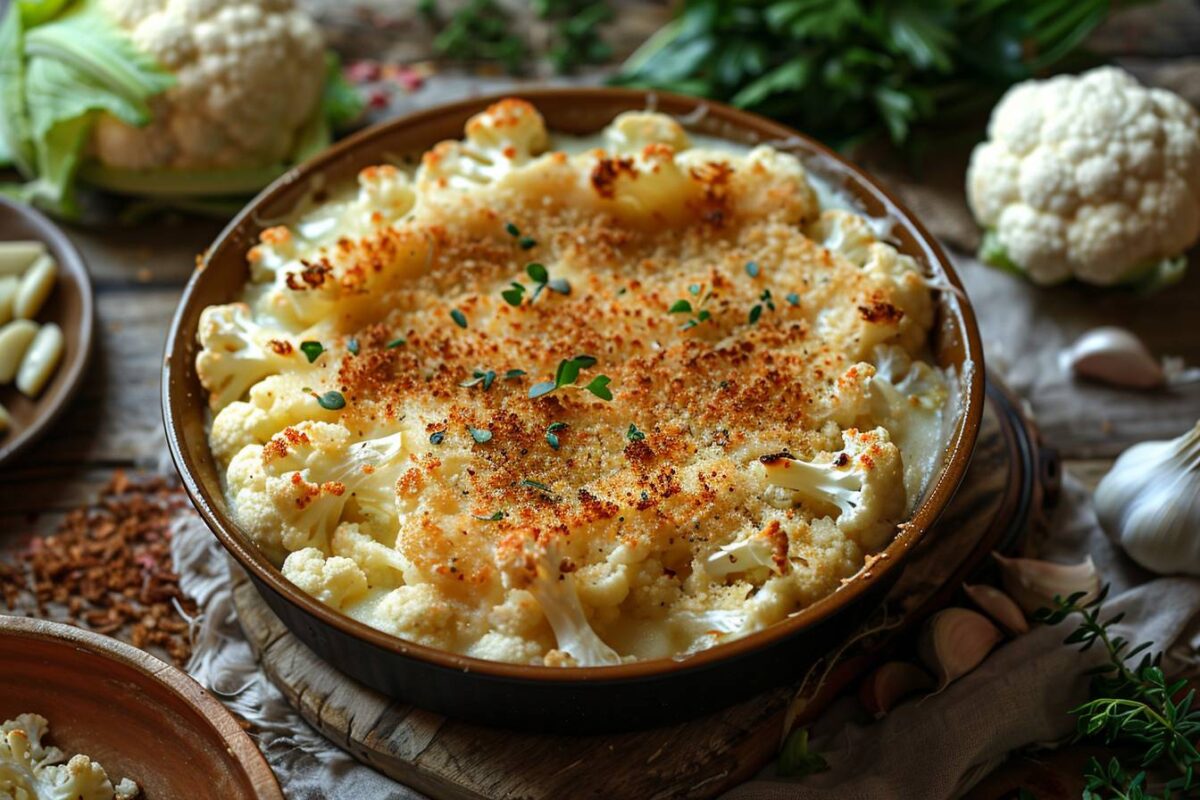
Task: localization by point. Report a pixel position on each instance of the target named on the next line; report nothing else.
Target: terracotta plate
(70, 306)
(140, 718)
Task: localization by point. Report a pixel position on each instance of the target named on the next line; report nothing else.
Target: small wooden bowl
(70, 306)
(138, 717)
(578, 699)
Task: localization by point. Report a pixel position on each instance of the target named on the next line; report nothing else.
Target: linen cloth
(931, 748)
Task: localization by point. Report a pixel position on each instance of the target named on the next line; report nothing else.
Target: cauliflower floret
(845, 233)
(29, 770)
(761, 550)
(248, 76)
(335, 581)
(421, 614)
(1091, 176)
(538, 567)
(508, 134)
(631, 131)
(383, 565)
(863, 485)
(276, 402)
(236, 353)
(294, 491)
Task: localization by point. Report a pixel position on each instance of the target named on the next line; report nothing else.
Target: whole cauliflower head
(1094, 177)
(249, 75)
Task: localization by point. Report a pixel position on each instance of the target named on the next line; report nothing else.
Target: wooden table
(139, 272)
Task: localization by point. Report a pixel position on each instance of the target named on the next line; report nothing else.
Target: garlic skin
(1149, 504)
(1003, 610)
(891, 683)
(1034, 584)
(1114, 356)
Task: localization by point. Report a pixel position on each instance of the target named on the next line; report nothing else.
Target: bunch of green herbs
(849, 70)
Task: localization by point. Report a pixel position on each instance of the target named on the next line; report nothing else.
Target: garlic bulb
(1149, 503)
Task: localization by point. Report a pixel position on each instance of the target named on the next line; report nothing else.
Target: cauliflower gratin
(33, 770)
(615, 400)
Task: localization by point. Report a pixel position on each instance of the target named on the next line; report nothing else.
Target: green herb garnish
(480, 435)
(633, 434)
(527, 242)
(460, 319)
(496, 517)
(567, 374)
(480, 377)
(793, 298)
(541, 279)
(552, 433)
(312, 350)
(1138, 707)
(352, 346)
(394, 343)
(513, 374)
(330, 401)
(700, 314)
(541, 487)
(512, 229)
(437, 437)
(752, 269)
(764, 300)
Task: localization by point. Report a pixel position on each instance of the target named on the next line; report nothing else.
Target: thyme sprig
(698, 313)
(515, 294)
(1136, 706)
(567, 374)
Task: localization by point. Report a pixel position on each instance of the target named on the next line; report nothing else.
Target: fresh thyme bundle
(845, 70)
(1138, 707)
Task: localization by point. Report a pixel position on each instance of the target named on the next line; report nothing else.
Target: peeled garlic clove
(883, 689)
(1149, 503)
(1034, 584)
(955, 641)
(999, 606)
(1114, 356)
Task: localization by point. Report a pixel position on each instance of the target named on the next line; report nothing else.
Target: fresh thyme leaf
(694, 289)
(599, 387)
(352, 345)
(480, 377)
(512, 229)
(480, 435)
(703, 315)
(527, 242)
(489, 378)
(541, 487)
(331, 401)
(460, 319)
(537, 272)
(513, 374)
(559, 285)
(437, 437)
(552, 433)
(496, 517)
(514, 295)
(540, 389)
(585, 362)
(312, 350)
(755, 313)
(752, 269)
(680, 307)
(767, 299)
(633, 434)
(793, 298)
(394, 343)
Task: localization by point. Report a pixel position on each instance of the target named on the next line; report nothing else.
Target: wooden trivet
(1010, 482)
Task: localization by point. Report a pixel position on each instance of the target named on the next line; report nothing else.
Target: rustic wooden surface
(139, 272)
(452, 760)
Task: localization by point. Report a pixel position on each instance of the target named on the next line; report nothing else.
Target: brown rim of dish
(958, 451)
(61, 387)
(237, 742)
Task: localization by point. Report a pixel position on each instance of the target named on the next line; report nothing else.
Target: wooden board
(1006, 487)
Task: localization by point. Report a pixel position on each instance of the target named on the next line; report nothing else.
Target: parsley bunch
(1137, 706)
(846, 70)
